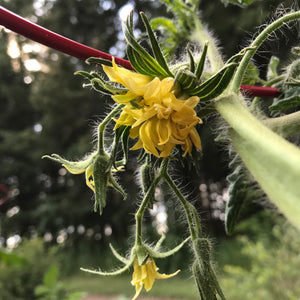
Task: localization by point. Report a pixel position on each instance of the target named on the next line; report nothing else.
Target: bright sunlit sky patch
(125, 10)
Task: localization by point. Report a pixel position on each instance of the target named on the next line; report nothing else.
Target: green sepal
(200, 66)
(139, 58)
(78, 166)
(186, 79)
(191, 57)
(101, 176)
(116, 186)
(118, 256)
(100, 61)
(155, 254)
(85, 74)
(141, 253)
(118, 135)
(215, 85)
(99, 84)
(117, 272)
(155, 46)
(125, 147)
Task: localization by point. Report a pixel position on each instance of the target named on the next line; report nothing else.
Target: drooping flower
(98, 174)
(157, 117)
(145, 275)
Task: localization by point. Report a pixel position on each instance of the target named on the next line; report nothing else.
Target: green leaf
(41, 290)
(192, 61)
(251, 75)
(272, 68)
(155, 46)
(11, 259)
(286, 103)
(167, 24)
(51, 276)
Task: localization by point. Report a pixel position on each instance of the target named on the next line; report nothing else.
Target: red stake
(53, 40)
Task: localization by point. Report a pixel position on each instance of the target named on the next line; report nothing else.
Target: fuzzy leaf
(100, 61)
(140, 55)
(215, 85)
(200, 66)
(167, 24)
(272, 68)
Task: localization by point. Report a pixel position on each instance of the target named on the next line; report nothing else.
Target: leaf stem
(285, 126)
(140, 213)
(273, 161)
(238, 77)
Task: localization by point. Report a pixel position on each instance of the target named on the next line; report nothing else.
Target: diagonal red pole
(53, 40)
(58, 42)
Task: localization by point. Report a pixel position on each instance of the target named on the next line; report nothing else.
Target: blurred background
(47, 223)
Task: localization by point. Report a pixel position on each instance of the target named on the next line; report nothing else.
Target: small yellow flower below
(146, 275)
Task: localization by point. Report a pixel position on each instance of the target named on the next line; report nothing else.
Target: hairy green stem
(285, 126)
(185, 205)
(273, 161)
(238, 77)
(103, 125)
(202, 36)
(140, 213)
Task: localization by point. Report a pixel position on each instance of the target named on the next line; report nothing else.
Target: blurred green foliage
(53, 289)
(271, 253)
(24, 271)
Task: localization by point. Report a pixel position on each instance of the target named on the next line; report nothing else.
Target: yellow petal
(124, 99)
(138, 288)
(149, 138)
(192, 101)
(195, 138)
(145, 116)
(89, 173)
(152, 91)
(133, 81)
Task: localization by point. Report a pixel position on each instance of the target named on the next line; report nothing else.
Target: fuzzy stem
(140, 213)
(238, 77)
(185, 204)
(213, 54)
(285, 126)
(103, 125)
(273, 161)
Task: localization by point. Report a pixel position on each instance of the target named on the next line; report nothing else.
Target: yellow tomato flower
(146, 275)
(157, 117)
